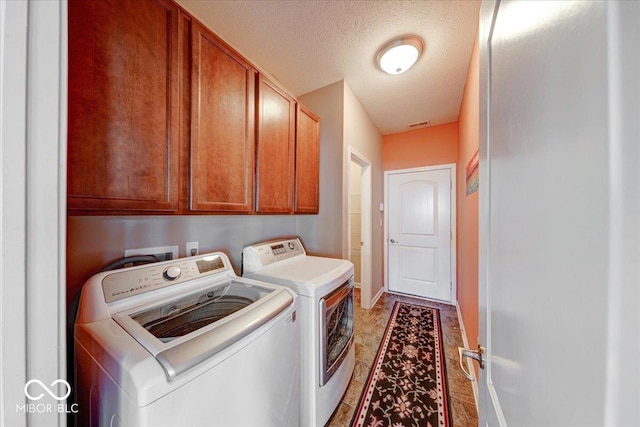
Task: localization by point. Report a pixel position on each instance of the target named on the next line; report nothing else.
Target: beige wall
(343, 123)
(322, 233)
(362, 134)
(93, 241)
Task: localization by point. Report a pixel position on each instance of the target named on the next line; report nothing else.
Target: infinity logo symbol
(47, 389)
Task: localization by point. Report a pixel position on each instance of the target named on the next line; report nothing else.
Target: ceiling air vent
(415, 125)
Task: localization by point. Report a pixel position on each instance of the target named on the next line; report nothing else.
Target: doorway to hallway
(359, 222)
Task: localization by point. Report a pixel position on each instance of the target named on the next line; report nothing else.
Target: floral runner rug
(407, 385)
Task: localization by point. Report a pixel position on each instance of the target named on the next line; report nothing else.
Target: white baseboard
(377, 297)
(470, 368)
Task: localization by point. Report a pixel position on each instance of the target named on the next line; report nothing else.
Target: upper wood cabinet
(166, 118)
(275, 149)
(307, 161)
(222, 126)
(123, 106)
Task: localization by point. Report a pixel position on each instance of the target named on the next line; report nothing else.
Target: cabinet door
(123, 106)
(276, 149)
(222, 126)
(307, 161)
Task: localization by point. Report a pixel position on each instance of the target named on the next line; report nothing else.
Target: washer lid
(185, 331)
(309, 276)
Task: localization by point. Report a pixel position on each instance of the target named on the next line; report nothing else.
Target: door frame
(34, 115)
(454, 228)
(365, 225)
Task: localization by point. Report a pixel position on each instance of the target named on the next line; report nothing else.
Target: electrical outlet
(192, 248)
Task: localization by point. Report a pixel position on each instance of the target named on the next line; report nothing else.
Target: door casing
(366, 298)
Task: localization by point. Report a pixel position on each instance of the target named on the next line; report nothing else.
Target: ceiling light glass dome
(399, 54)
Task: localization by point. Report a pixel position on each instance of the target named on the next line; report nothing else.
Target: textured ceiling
(307, 45)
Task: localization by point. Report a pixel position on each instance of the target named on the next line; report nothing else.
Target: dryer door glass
(337, 328)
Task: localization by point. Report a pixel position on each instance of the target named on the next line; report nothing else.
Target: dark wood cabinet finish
(275, 149)
(307, 161)
(222, 126)
(123, 147)
(184, 133)
(166, 118)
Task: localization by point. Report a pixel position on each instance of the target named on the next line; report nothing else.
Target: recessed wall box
(163, 253)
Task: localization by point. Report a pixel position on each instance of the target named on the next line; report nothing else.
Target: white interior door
(419, 233)
(559, 226)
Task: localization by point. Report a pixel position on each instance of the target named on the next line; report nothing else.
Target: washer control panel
(258, 256)
(133, 281)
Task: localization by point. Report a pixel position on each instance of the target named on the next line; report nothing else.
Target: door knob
(393, 241)
(473, 354)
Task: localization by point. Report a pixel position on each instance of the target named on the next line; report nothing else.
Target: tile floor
(370, 326)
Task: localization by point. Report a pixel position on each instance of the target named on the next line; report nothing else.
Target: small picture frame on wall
(473, 178)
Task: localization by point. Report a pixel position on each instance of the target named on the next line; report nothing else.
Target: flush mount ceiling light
(399, 54)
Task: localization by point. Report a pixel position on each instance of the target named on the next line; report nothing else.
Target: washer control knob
(171, 273)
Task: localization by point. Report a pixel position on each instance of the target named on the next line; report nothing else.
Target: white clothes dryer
(186, 343)
(325, 290)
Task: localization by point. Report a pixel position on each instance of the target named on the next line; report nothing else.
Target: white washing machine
(186, 343)
(325, 290)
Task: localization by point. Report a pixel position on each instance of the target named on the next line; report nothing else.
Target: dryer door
(336, 310)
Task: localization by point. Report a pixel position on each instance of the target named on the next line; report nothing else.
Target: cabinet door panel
(307, 161)
(222, 140)
(123, 106)
(276, 149)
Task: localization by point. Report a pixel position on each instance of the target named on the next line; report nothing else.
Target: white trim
(366, 224)
(470, 367)
(454, 227)
(622, 388)
(402, 294)
(33, 198)
(62, 195)
(46, 198)
(421, 169)
(13, 130)
(377, 297)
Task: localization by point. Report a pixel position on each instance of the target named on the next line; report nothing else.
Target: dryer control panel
(257, 257)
